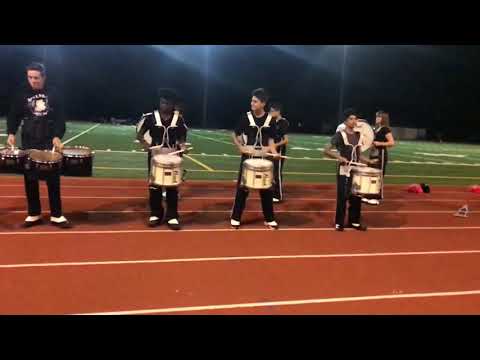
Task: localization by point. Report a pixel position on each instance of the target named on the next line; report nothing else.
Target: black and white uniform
(255, 132)
(40, 114)
(281, 129)
(348, 147)
(169, 133)
(381, 152)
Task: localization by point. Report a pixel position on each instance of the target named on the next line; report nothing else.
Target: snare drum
(366, 182)
(44, 162)
(77, 161)
(12, 160)
(166, 170)
(257, 174)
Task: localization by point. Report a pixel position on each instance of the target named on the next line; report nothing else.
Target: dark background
(433, 87)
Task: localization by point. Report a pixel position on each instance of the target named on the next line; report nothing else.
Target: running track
(416, 257)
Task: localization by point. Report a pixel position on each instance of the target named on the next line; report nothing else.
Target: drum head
(167, 160)
(258, 164)
(45, 156)
(80, 151)
(368, 135)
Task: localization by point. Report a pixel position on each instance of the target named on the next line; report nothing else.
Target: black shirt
(344, 149)
(42, 114)
(250, 132)
(381, 136)
(281, 129)
(176, 134)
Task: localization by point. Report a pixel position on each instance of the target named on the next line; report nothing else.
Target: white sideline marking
(82, 133)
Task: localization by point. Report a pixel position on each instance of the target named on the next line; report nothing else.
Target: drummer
(281, 140)
(344, 154)
(170, 137)
(247, 136)
(41, 110)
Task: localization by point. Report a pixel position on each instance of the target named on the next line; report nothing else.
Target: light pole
(205, 87)
(342, 81)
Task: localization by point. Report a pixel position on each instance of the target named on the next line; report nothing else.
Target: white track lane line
(235, 258)
(287, 303)
(94, 232)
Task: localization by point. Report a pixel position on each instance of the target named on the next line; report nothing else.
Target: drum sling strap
(158, 122)
(345, 169)
(266, 124)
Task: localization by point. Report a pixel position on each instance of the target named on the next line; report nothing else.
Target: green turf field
(215, 158)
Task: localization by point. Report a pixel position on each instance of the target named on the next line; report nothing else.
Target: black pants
(344, 185)
(156, 199)
(278, 178)
(242, 195)
(33, 194)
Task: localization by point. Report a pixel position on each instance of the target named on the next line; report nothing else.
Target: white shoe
(33, 218)
(173, 224)
(164, 194)
(153, 218)
(374, 202)
(58, 220)
(275, 200)
(272, 225)
(235, 223)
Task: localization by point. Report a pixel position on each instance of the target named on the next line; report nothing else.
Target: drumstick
(357, 164)
(179, 151)
(281, 156)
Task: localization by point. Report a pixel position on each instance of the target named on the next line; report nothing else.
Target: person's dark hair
(36, 66)
(276, 105)
(385, 118)
(168, 94)
(349, 112)
(260, 94)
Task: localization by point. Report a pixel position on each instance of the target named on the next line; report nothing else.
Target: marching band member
(383, 140)
(254, 130)
(41, 110)
(166, 128)
(281, 140)
(347, 142)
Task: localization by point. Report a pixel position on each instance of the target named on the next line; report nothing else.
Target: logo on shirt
(38, 105)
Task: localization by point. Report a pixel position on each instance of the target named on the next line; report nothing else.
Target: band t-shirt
(249, 133)
(41, 114)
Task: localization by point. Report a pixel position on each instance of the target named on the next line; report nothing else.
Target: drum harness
(258, 137)
(353, 157)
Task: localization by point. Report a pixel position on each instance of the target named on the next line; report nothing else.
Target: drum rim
(78, 155)
(366, 170)
(249, 166)
(21, 153)
(44, 162)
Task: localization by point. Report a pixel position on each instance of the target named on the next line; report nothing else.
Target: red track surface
(414, 247)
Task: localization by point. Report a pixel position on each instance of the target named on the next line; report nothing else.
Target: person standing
(39, 111)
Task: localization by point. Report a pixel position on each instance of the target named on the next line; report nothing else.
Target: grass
(118, 156)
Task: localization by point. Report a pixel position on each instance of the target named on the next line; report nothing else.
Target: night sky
(433, 87)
